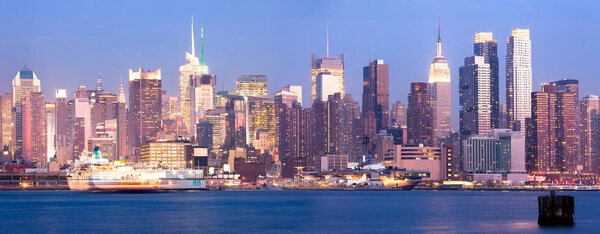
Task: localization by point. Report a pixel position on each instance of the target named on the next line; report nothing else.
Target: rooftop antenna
(327, 26)
(193, 47)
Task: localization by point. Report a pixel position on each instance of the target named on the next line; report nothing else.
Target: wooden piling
(556, 210)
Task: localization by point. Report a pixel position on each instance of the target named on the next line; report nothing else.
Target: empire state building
(441, 93)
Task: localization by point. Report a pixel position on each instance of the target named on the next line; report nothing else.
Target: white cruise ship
(98, 174)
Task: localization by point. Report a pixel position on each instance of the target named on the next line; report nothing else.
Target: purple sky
(68, 42)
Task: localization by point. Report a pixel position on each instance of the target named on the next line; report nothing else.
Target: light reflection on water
(284, 211)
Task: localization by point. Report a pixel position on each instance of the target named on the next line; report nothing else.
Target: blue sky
(68, 42)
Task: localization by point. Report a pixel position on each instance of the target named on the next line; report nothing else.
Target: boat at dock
(98, 174)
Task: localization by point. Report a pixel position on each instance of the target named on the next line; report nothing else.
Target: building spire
(327, 36)
(202, 45)
(438, 51)
(121, 97)
(193, 47)
(99, 82)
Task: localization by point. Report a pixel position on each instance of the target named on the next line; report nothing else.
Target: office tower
(252, 86)
(261, 117)
(236, 109)
(518, 78)
(173, 106)
(487, 47)
(103, 109)
(218, 120)
(440, 89)
(204, 94)
(61, 131)
(552, 136)
(350, 134)
(398, 115)
(289, 94)
(25, 81)
(121, 124)
(82, 109)
(192, 67)
(474, 94)
(51, 151)
(327, 84)
(420, 115)
(327, 119)
(6, 119)
(376, 97)
(590, 149)
(78, 137)
(34, 128)
(17, 133)
(144, 108)
(328, 64)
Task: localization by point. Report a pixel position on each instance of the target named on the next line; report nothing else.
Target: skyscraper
(420, 113)
(487, 47)
(25, 81)
(551, 133)
(518, 78)
(192, 67)
(590, 148)
(51, 149)
(121, 124)
(474, 97)
(441, 93)
(34, 127)
(261, 117)
(63, 151)
(6, 119)
(144, 108)
(204, 94)
(376, 97)
(252, 86)
(334, 65)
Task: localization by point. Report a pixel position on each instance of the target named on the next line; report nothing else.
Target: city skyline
(113, 55)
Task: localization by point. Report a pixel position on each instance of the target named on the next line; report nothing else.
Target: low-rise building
(172, 154)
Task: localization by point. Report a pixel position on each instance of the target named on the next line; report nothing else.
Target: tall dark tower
(376, 98)
(420, 115)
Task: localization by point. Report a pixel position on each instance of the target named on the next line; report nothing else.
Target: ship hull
(115, 185)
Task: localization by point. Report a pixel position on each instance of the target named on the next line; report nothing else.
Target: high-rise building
(440, 89)
(333, 65)
(82, 109)
(204, 94)
(25, 81)
(501, 150)
(296, 139)
(590, 148)
(398, 115)
(518, 78)
(552, 137)
(474, 97)
(144, 108)
(218, 119)
(34, 127)
(6, 119)
(192, 67)
(289, 94)
(261, 117)
(121, 124)
(51, 149)
(237, 123)
(252, 86)
(63, 147)
(420, 115)
(376, 97)
(327, 84)
(487, 47)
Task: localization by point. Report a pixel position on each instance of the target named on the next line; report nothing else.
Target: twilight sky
(67, 43)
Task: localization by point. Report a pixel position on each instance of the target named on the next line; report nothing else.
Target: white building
(327, 84)
(24, 81)
(518, 78)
